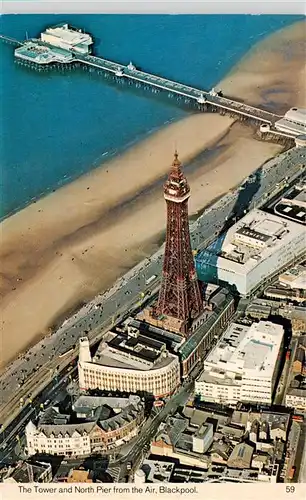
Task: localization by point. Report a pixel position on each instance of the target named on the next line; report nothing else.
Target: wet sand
(75, 242)
(273, 73)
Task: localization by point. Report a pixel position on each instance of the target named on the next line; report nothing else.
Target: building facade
(254, 249)
(244, 365)
(67, 38)
(296, 398)
(94, 436)
(113, 371)
(193, 350)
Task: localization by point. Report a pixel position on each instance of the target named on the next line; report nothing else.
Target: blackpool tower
(180, 296)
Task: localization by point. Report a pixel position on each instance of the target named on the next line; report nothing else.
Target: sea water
(56, 126)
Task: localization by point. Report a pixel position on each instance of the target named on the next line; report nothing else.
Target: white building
(105, 424)
(67, 440)
(296, 398)
(203, 438)
(294, 122)
(258, 246)
(295, 277)
(129, 362)
(68, 38)
(243, 366)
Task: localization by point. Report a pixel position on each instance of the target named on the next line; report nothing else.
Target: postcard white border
(154, 6)
(208, 491)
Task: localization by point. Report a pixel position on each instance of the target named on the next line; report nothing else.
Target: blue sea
(56, 127)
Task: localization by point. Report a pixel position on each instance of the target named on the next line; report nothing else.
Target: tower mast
(180, 295)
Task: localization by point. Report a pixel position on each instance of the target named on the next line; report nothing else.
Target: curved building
(128, 361)
(102, 424)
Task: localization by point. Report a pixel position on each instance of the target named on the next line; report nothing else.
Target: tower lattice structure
(180, 295)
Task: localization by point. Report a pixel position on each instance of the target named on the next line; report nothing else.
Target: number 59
(290, 489)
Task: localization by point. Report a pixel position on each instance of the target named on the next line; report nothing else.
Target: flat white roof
(296, 115)
(277, 231)
(294, 122)
(295, 277)
(247, 351)
(69, 35)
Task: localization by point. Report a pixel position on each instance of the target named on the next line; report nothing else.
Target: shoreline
(66, 182)
(59, 252)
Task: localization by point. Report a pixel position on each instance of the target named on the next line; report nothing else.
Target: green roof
(204, 329)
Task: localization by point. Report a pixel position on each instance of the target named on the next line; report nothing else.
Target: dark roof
(143, 347)
(168, 338)
(212, 316)
(293, 213)
(52, 416)
(29, 472)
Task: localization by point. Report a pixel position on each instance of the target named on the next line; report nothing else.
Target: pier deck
(199, 95)
(203, 100)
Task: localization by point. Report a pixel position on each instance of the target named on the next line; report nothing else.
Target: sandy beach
(273, 73)
(75, 242)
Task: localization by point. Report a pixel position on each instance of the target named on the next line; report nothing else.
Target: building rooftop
(297, 392)
(296, 115)
(241, 456)
(128, 348)
(29, 471)
(222, 299)
(40, 53)
(285, 292)
(246, 350)
(79, 476)
(198, 416)
(291, 210)
(250, 241)
(117, 404)
(69, 34)
(157, 471)
(274, 419)
(294, 122)
(122, 411)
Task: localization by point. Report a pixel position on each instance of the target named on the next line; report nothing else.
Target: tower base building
(129, 361)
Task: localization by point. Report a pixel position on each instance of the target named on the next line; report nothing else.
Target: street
(292, 448)
(300, 457)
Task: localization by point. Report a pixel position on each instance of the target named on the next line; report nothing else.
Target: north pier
(63, 47)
